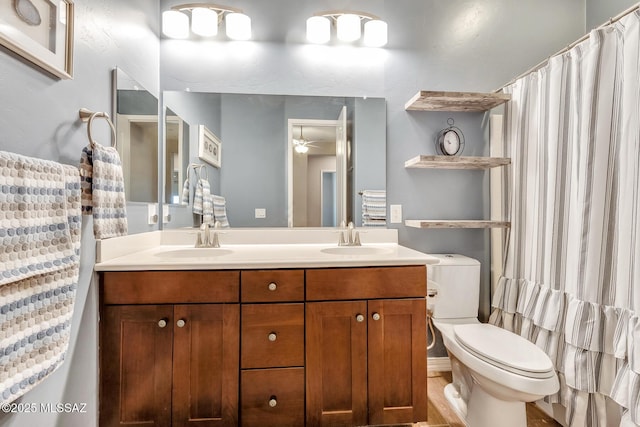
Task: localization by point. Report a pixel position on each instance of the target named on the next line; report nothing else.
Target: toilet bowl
(494, 371)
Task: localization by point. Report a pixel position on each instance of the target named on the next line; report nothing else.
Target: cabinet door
(397, 361)
(336, 363)
(205, 365)
(135, 369)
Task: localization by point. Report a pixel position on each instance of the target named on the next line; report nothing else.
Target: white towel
(40, 225)
(103, 191)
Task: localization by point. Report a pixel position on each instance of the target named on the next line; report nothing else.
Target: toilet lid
(504, 349)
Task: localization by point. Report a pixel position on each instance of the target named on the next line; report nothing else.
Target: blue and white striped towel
(220, 211)
(374, 208)
(203, 201)
(40, 225)
(103, 191)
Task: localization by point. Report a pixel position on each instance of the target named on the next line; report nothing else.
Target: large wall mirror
(136, 121)
(267, 179)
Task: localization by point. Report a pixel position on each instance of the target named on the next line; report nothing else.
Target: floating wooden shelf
(455, 101)
(435, 223)
(446, 162)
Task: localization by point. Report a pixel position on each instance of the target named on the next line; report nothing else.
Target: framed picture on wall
(209, 147)
(40, 31)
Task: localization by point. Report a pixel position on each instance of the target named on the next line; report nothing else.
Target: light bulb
(318, 29)
(348, 27)
(375, 33)
(175, 24)
(204, 21)
(238, 26)
(301, 148)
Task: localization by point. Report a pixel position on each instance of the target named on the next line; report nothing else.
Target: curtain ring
(113, 128)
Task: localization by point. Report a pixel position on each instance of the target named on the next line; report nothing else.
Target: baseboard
(438, 364)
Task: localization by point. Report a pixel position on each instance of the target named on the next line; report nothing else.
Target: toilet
(494, 371)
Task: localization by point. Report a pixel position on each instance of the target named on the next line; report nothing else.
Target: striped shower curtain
(571, 280)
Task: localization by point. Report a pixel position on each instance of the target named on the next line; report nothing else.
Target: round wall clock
(450, 141)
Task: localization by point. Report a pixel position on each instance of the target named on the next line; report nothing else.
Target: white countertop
(254, 249)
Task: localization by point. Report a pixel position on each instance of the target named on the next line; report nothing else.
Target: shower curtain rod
(570, 46)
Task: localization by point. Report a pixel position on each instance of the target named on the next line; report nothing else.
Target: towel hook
(87, 115)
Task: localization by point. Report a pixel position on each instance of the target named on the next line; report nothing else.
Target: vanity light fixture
(348, 28)
(205, 20)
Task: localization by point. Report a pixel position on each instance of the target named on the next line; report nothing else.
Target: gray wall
(39, 118)
(599, 11)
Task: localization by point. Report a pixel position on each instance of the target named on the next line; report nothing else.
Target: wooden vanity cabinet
(282, 347)
(365, 357)
(169, 348)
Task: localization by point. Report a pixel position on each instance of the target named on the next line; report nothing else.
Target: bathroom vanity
(265, 334)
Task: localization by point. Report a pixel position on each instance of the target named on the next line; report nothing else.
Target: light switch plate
(395, 213)
(261, 213)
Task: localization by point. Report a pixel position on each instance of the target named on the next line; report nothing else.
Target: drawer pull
(181, 323)
(273, 336)
(359, 318)
(273, 402)
(162, 323)
(376, 316)
(273, 286)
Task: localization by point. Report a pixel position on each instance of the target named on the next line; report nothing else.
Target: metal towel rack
(87, 115)
(197, 168)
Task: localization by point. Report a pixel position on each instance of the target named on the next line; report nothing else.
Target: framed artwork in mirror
(209, 147)
(40, 31)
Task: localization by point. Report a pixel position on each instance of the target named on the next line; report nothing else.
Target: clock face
(450, 143)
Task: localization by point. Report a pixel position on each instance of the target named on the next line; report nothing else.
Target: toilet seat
(504, 349)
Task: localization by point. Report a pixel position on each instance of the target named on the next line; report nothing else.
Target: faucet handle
(199, 242)
(214, 241)
(341, 241)
(356, 240)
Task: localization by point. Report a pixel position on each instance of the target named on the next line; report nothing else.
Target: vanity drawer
(272, 285)
(272, 335)
(366, 283)
(170, 287)
(272, 397)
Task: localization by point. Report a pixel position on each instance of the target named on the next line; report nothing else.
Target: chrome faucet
(206, 238)
(353, 236)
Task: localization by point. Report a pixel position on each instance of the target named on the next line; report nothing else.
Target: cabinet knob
(162, 323)
(375, 316)
(273, 336)
(273, 402)
(181, 323)
(273, 286)
(359, 318)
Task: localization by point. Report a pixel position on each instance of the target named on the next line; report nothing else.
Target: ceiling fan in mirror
(301, 145)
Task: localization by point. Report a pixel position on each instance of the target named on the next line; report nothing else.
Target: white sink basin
(194, 253)
(356, 250)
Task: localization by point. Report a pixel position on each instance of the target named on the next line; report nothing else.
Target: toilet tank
(456, 282)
